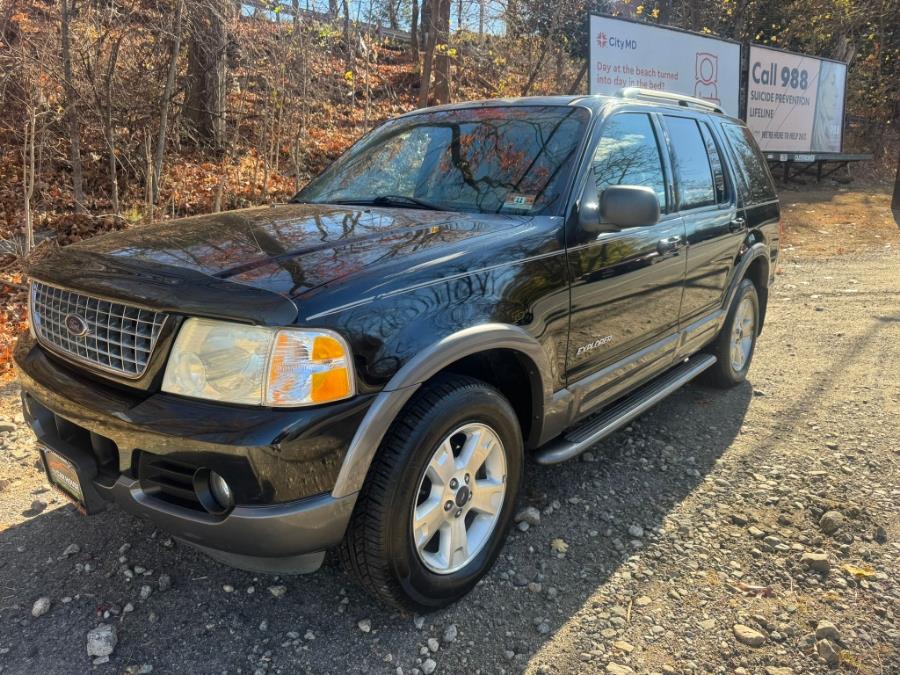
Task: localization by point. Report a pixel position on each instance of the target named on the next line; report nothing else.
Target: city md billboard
(795, 103)
(630, 54)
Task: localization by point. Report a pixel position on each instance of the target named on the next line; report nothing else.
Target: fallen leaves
(859, 572)
(559, 545)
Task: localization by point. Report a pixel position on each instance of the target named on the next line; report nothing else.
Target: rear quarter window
(750, 163)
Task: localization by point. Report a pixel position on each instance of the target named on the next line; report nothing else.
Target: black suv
(367, 366)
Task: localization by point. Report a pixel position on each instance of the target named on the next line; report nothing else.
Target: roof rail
(668, 97)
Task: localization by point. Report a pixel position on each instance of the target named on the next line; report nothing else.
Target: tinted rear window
(695, 179)
(751, 162)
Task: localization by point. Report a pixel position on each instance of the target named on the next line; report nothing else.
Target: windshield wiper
(393, 200)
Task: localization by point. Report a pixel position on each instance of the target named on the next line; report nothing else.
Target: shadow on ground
(197, 625)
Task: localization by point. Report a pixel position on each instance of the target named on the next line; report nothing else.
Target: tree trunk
(573, 88)
(429, 32)
(166, 100)
(414, 33)
(442, 59)
(28, 177)
(481, 20)
(333, 8)
(109, 129)
(895, 202)
(535, 71)
(392, 14)
(72, 112)
(205, 105)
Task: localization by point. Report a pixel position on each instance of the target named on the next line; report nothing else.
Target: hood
(262, 256)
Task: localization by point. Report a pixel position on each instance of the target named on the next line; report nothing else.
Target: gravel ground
(751, 531)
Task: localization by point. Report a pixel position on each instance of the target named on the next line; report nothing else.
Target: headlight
(255, 365)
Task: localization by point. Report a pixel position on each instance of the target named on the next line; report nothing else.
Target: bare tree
(207, 74)
(72, 109)
(442, 56)
(166, 102)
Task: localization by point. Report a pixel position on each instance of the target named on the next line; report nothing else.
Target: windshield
(513, 159)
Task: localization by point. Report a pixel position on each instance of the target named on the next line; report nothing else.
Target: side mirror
(629, 206)
(616, 208)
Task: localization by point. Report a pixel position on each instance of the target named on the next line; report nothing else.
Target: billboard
(630, 54)
(795, 103)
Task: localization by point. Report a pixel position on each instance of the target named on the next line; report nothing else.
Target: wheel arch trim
(755, 251)
(424, 365)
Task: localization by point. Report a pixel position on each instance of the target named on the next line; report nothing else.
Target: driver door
(627, 285)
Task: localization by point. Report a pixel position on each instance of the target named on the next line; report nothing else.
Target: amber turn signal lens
(326, 348)
(330, 385)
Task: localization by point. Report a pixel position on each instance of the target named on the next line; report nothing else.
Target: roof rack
(668, 97)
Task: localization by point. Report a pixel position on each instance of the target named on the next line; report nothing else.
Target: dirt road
(712, 536)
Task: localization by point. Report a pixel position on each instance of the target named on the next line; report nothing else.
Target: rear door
(626, 285)
(707, 202)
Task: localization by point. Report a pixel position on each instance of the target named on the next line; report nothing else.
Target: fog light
(221, 491)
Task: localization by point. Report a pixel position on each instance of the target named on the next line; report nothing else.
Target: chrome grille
(120, 338)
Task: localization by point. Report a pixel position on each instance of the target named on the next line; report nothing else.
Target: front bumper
(281, 463)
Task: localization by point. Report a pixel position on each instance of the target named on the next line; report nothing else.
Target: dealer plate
(63, 475)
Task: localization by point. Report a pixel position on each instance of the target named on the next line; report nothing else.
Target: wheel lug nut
(454, 483)
(458, 513)
(467, 478)
(448, 506)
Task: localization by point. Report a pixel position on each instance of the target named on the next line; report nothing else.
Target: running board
(579, 438)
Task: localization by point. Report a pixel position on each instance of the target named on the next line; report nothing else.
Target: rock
(880, 535)
(617, 669)
(101, 641)
(777, 670)
(164, 582)
(71, 550)
(7, 426)
(277, 591)
(450, 633)
(755, 532)
(739, 519)
(37, 506)
(708, 624)
(831, 522)
(145, 591)
(636, 531)
(623, 646)
(748, 636)
(418, 622)
(825, 630)
(228, 588)
(433, 644)
(365, 625)
(428, 666)
(41, 606)
(643, 600)
(529, 515)
(826, 651)
(815, 562)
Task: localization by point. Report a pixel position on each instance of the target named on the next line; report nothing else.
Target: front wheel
(734, 346)
(437, 504)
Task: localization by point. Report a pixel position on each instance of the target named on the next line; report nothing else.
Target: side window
(628, 154)
(715, 162)
(692, 170)
(751, 162)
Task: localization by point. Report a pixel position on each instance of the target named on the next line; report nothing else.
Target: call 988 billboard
(795, 103)
(630, 54)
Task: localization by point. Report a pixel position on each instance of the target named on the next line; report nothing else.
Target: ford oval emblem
(76, 325)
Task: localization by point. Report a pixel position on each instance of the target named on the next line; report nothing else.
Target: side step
(578, 439)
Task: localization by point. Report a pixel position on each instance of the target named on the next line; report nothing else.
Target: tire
(380, 547)
(729, 370)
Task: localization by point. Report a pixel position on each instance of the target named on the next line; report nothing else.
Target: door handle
(670, 245)
(736, 225)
